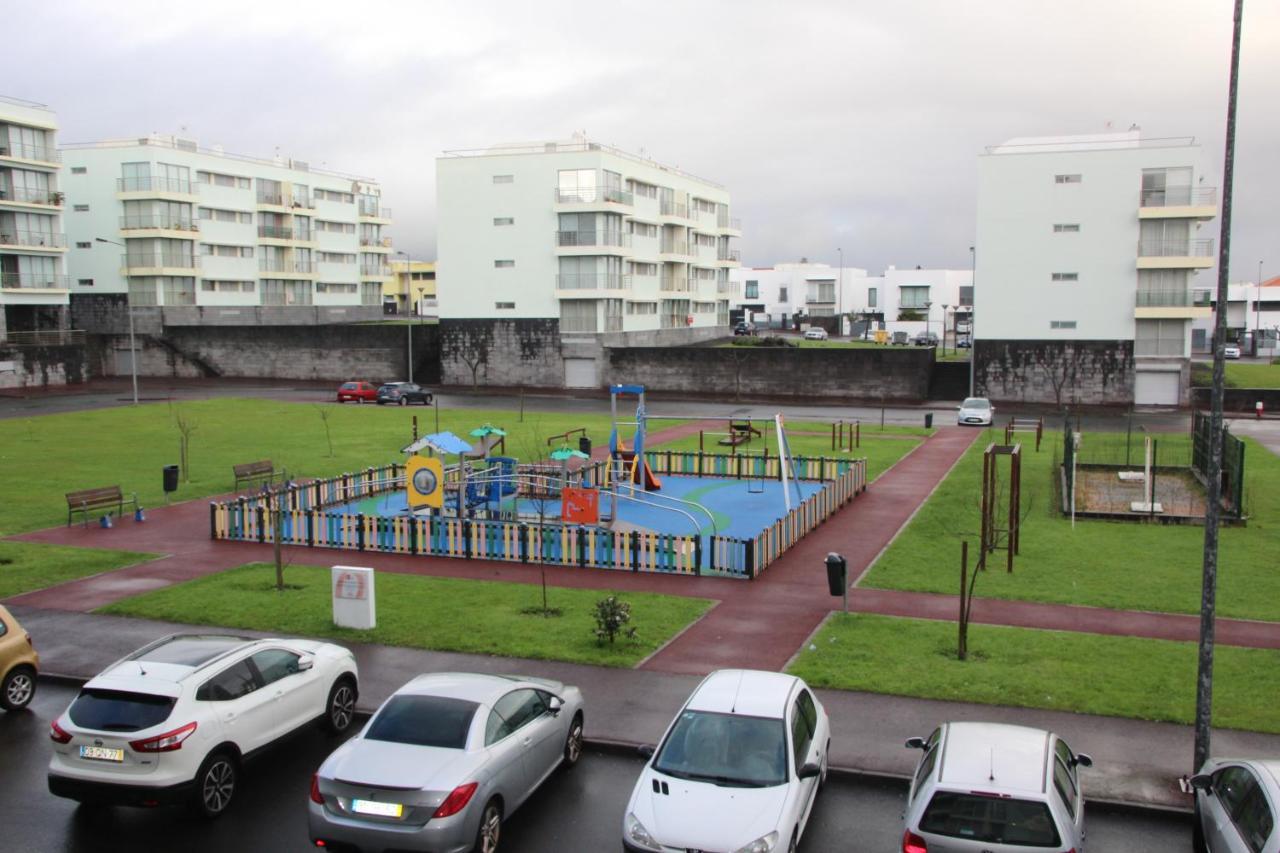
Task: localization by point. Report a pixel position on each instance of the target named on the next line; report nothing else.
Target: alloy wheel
(342, 707)
(573, 746)
(18, 691)
(490, 829)
(218, 785)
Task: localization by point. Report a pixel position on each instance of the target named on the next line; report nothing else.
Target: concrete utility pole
(973, 302)
(840, 294)
(408, 301)
(1213, 497)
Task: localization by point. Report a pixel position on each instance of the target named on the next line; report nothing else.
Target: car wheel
(573, 742)
(340, 710)
(18, 687)
(403, 401)
(215, 784)
(490, 831)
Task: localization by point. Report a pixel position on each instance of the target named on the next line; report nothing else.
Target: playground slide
(650, 480)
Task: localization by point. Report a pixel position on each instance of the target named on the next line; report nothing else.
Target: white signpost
(353, 598)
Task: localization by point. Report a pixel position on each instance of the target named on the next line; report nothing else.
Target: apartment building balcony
(572, 285)
(159, 226)
(675, 284)
(1178, 203)
(375, 244)
(34, 241)
(159, 263)
(727, 288)
(274, 235)
(729, 225)
(672, 249)
(40, 156)
(375, 270)
(1175, 254)
(731, 256)
(1172, 304)
(20, 197)
(33, 281)
(287, 269)
(675, 210)
(605, 242)
(301, 203)
(154, 186)
(374, 214)
(593, 198)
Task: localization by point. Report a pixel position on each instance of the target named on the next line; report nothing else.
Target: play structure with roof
(636, 509)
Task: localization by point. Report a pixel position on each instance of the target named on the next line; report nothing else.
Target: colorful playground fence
(305, 519)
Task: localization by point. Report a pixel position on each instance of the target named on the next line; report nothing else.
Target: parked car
(443, 762)
(359, 392)
(815, 333)
(1231, 351)
(900, 339)
(1237, 805)
(738, 768)
(964, 343)
(975, 410)
(19, 664)
(990, 786)
(926, 339)
(402, 394)
(744, 328)
(174, 721)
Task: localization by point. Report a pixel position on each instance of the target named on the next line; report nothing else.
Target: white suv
(175, 720)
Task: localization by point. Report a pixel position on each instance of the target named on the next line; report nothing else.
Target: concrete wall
(1056, 372)
(107, 313)
(38, 367)
(501, 352)
(843, 374)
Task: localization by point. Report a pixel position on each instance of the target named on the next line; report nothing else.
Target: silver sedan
(1237, 806)
(444, 760)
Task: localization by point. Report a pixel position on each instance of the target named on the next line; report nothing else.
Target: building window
(504, 220)
(78, 170)
(1066, 179)
(782, 293)
(80, 208)
(871, 297)
(578, 315)
(752, 290)
(1062, 324)
(85, 282)
(1065, 276)
(1066, 228)
(966, 294)
(642, 308)
(912, 297)
(504, 306)
(85, 245)
(503, 265)
(1159, 337)
(504, 179)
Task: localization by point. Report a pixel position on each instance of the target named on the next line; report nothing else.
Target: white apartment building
(1087, 247)
(33, 246)
(1252, 310)
(612, 246)
(204, 235)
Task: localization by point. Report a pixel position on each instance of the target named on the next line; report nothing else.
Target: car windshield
(726, 749)
(975, 403)
(118, 711)
(423, 721)
(990, 819)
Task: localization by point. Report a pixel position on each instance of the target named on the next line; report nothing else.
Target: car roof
(744, 691)
(471, 686)
(994, 755)
(169, 660)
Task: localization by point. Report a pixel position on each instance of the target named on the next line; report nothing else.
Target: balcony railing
(1179, 197)
(140, 223)
(726, 287)
(1175, 248)
(152, 260)
(678, 285)
(30, 152)
(1173, 298)
(375, 269)
(303, 234)
(31, 196)
(375, 210)
(274, 265)
(593, 281)
(153, 183)
(592, 238)
(675, 247)
(33, 238)
(670, 208)
(728, 255)
(11, 280)
(905, 305)
(301, 200)
(268, 197)
(43, 338)
(595, 195)
(303, 266)
(275, 232)
(729, 222)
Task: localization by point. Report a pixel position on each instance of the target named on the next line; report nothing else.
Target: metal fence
(1232, 463)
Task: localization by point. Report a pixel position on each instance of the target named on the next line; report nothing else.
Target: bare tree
(324, 412)
(186, 427)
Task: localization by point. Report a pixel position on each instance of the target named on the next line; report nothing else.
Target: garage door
(580, 373)
(1152, 388)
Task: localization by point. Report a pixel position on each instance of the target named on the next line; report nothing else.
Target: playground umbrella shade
(487, 429)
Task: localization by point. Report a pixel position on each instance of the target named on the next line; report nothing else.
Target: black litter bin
(584, 445)
(171, 478)
(837, 573)
(928, 420)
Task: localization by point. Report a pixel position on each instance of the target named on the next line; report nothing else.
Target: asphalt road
(579, 811)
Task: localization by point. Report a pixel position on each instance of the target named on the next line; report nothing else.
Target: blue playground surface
(737, 511)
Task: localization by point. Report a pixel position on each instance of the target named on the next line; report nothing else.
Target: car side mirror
(554, 705)
(1083, 760)
(646, 750)
(914, 743)
(1202, 782)
(809, 769)
(305, 663)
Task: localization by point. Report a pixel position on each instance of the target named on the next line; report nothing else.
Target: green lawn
(129, 445)
(880, 451)
(1082, 673)
(1098, 563)
(1238, 374)
(25, 566)
(446, 614)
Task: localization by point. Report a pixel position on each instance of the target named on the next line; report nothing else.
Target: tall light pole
(944, 329)
(973, 302)
(840, 294)
(1257, 311)
(128, 304)
(408, 301)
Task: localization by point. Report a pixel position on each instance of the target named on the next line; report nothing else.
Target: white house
(1087, 247)
(1251, 309)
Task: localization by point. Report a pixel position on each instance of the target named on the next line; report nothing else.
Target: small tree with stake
(612, 616)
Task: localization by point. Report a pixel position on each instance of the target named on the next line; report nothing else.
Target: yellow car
(18, 664)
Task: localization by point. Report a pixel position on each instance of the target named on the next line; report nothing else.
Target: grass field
(25, 566)
(446, 614)
(1238, 374)
(1098, 563)
(1083, 673)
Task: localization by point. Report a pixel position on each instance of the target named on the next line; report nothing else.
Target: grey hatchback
(402, 394)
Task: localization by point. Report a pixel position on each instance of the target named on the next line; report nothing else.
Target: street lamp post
(944, 329)
(1257, 311)
(408, 301)
(840, 294)
(928, 306)
(973, 304)
(128, 304)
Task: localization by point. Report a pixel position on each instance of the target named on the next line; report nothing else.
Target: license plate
(101, 753)
(376, 808)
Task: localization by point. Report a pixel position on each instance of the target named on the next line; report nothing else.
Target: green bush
(766, 341)
(612, 617)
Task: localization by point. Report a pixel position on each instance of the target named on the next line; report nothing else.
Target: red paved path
(757, 624)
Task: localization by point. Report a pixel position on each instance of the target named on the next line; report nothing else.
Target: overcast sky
(852, 124)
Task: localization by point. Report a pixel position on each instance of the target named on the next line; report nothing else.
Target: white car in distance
(174, 721)
(815, 333)
(975, 411)
(737, 770)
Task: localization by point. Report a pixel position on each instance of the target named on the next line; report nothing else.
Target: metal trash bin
(170, 478)
(928, 420)
(837, 574)
(584, 445)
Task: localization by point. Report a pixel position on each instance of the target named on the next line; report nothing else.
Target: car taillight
(167, 742)
(912, 843)
(457, 800)
(57, 734)
(316, 796)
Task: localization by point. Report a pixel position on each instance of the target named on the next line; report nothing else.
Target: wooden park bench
(94, 499)
(263, 469)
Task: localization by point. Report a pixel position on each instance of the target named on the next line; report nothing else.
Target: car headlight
(637, 834)
(763, 844)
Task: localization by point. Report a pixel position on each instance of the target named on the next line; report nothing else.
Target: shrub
(612, 617)
(766, 341)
